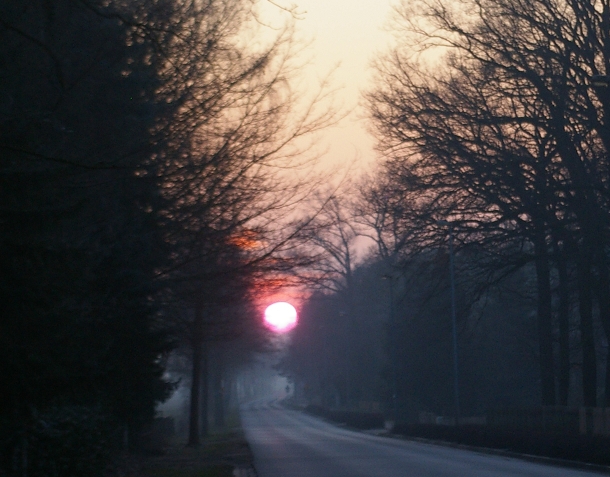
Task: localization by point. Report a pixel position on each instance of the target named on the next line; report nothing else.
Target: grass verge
(222, 470)
(218, 455)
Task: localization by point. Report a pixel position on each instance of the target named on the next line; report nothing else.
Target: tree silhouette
(508, 138)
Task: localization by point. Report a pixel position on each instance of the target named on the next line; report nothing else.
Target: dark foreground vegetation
(142, 207)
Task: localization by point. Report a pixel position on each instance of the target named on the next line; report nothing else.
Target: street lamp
(456, 386)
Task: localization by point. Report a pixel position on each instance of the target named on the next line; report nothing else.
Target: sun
(281, 317)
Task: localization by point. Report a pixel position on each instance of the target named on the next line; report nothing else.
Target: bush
(66, 441)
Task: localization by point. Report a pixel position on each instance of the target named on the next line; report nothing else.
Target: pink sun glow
(281, 317)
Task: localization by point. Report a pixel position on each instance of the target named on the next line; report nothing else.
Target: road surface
(288, 443)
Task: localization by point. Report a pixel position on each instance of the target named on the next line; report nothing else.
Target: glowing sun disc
(281, 316)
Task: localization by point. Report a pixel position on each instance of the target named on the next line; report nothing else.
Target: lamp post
(456, 384)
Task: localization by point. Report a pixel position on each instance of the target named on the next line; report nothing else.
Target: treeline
(492, 121)
(141, 203)
(393, 352)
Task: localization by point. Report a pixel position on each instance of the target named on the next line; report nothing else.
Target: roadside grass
(219, 454)
(221, 470)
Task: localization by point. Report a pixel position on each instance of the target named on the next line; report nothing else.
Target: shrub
(69, 441)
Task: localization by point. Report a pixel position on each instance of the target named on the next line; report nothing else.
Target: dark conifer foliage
(143, 192)
(79, 237)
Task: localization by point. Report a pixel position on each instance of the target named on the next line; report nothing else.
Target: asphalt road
(289, 443)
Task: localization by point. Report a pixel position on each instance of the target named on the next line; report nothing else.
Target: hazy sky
(346, 33)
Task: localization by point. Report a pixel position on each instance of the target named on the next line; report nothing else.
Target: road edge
(572, 464)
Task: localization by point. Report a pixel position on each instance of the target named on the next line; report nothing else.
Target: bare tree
(512, 134)
(233, 163)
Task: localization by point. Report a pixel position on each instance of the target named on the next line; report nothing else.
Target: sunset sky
(345, 34)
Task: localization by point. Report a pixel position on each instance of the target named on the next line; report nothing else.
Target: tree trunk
(585, 302)
(197, 344)
(545, 323)
(205, 371)
(219, 391)
(564, 329)
(603, 299)
(24, 454)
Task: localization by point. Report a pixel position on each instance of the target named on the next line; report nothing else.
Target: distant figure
(288, 389)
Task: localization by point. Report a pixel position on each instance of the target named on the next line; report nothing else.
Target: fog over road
(288, 443)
